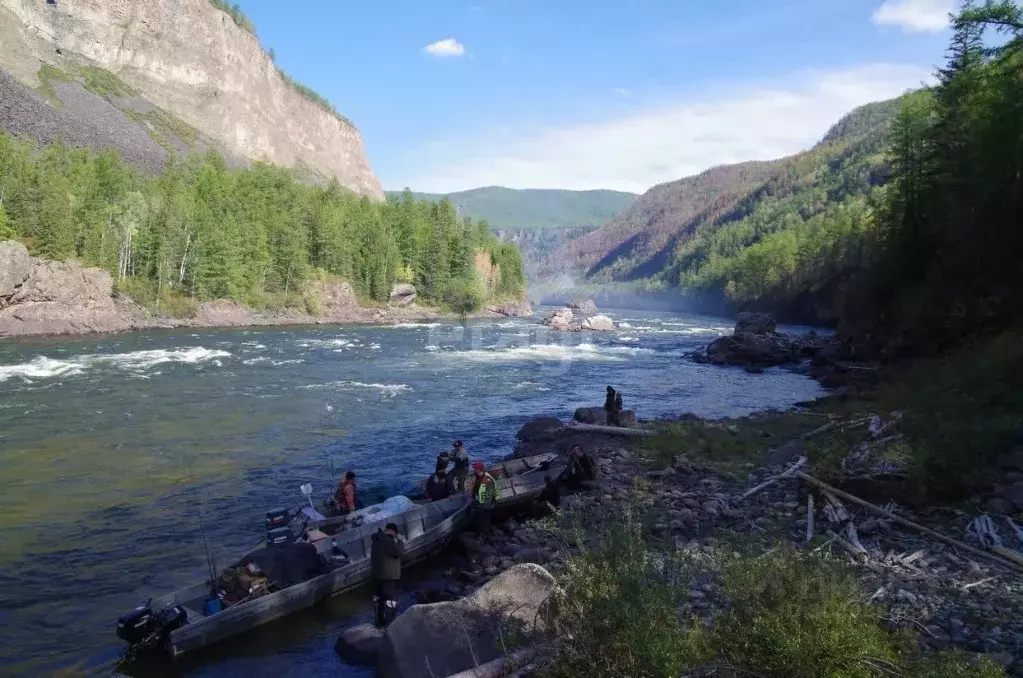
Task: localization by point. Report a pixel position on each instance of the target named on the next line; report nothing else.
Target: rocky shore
(703, 491)
(42, 297)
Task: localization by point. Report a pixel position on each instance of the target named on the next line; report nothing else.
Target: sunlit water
(110, 447)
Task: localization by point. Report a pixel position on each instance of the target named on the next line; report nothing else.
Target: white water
(48, 368)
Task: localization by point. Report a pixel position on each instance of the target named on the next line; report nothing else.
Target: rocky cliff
(191, 60)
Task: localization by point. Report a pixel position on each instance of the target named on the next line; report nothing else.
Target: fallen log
(809, 519)
(497, 667)
(994, 556)
(611, 430)
(771, 481)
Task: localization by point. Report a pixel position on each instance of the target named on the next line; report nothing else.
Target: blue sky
(595, 94)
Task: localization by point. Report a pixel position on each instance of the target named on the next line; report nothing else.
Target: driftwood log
(1000, 556)
(611, 430)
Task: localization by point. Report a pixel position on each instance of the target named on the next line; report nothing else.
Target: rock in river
(438, 635)
(598, 323)
(360, 644)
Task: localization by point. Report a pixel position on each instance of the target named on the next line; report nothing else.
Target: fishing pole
(211, 561)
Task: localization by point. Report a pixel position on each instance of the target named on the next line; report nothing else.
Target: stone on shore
(439, 635)
(597, 415)
(360, 644)
(403, 294)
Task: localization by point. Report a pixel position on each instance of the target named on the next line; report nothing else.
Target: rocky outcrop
(454, 636)
(583, 306)
(562, 320)
(190, 59)
(511, 309)
(55, 297)
(40, 297)
(755, 323)
(597, 415)
(403, 294)
(598, 323)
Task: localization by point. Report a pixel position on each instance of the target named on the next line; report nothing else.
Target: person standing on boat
(461, 470)
(385, 563)
(483, 497)
(442, 460)
(345, 495)
(438, 486)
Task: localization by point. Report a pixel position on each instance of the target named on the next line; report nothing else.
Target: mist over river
(109, 445)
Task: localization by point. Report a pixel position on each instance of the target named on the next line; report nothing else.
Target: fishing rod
(211, 560)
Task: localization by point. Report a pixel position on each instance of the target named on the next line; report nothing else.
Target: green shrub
(795, 615)
(464, 295)
(165, 302)
(103, 83)
(961, 414)
(7, 231)
(621, 614)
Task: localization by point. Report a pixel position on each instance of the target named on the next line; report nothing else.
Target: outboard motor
(277, 530)
(144, 629)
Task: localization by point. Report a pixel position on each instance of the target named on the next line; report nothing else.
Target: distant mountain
(520, 209)
(747, 233)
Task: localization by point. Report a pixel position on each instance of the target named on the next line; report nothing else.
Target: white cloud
(623, 92)
(915, 16)
(661, 143)
(448, 47)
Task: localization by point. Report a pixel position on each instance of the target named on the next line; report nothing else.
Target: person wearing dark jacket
(460, 456)
(438, 486)
(385, 563)
(580, 469)
(612, 406)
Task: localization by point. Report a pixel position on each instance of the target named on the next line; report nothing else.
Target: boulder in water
(360, 644)
(560, 320)
(439, 635)
(754, 323)
(598, 323)
(585, 307)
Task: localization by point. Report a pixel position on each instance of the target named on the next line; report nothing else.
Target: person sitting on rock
(612, 406)
(580, 470)
(385, 566)
(438, 486)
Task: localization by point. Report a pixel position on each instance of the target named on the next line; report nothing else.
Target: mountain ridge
(194, 62)
(534, 208)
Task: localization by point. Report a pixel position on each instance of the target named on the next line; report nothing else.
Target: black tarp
(288, 564)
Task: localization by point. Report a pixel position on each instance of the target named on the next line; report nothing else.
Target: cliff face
(189, 58)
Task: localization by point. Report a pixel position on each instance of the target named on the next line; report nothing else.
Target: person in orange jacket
(345, 495)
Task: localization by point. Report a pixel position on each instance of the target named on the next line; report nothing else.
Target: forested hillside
(755, 233)
(202, 231)
(521, 209)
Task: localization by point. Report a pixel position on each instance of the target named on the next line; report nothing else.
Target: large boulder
(446, 638)
(560, 320)
(754, 323)
(597, 415)
(598, 323)
(511, 309)
(541, 428)
(360, 644)
(15, 267)
(585, 307)
(55, 297)
(403, 294)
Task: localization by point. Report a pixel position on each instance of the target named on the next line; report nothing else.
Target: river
(111, 447)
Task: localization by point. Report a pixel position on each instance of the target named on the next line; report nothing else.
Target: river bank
(39, 297)
(684, 498)
(715, 544)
